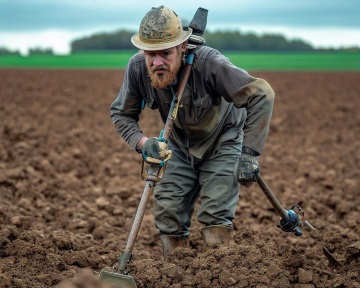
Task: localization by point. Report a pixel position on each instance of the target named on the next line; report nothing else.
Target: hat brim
(136, 41)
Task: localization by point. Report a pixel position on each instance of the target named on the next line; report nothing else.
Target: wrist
(140, 144)
(249, 151)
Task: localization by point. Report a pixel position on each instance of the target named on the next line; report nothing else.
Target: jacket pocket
(201, 106)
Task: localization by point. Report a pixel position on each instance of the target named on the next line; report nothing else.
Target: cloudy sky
(55, 23)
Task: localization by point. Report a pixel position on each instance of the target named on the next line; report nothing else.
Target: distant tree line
(221, 40)
(6, 51)
(32, 51)
(119, 40)
(40, 51)
(237, 41)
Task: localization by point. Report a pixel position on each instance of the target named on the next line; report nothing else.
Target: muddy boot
(216, 235)
(170, 242)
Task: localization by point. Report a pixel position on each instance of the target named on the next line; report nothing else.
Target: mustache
(160, 68)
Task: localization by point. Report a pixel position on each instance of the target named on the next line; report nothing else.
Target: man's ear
(184, 46)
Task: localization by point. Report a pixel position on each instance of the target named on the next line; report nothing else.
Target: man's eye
(166, 53)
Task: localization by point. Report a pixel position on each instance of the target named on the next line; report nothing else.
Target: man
(218, 135)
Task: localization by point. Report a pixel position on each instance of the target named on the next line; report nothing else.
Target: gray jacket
(218, 96)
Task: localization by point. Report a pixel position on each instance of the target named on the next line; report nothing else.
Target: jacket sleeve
(245, 91)
(126, 108)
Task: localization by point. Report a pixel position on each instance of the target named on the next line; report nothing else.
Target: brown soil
(69, 188)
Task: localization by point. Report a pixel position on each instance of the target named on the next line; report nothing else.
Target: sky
(54, 24)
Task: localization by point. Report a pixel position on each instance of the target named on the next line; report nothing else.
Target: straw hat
(160, 29)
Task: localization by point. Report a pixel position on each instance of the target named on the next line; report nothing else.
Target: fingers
(157, 161)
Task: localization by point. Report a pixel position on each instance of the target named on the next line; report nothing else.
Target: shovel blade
(117, 280)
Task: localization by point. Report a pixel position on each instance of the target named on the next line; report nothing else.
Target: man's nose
(158, 60)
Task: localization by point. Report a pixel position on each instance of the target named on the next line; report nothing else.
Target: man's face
(163, 65)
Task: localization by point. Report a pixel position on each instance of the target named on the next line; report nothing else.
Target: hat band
(160, 40)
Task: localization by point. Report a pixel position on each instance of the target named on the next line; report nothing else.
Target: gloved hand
(248, 167)
(154, 151)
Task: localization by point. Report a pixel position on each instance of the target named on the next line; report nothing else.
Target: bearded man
(218, 135)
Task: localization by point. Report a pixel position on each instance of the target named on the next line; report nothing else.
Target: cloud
(31, 15)
(55, 23)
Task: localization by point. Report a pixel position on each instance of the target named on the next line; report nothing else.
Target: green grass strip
(297, 61)
(333, 61)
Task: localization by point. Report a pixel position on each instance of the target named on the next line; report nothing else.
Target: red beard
(162, 76)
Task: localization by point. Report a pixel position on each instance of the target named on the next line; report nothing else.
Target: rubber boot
(171, 242)
(216, 235)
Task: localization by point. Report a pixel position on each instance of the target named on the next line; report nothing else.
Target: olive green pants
(212, 180)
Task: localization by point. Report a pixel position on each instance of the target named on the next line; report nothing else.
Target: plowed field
(70, 186)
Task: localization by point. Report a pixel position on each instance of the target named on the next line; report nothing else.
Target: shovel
(119, 279)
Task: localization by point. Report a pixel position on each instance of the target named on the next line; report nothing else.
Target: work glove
(248, 166)
(154, 151)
